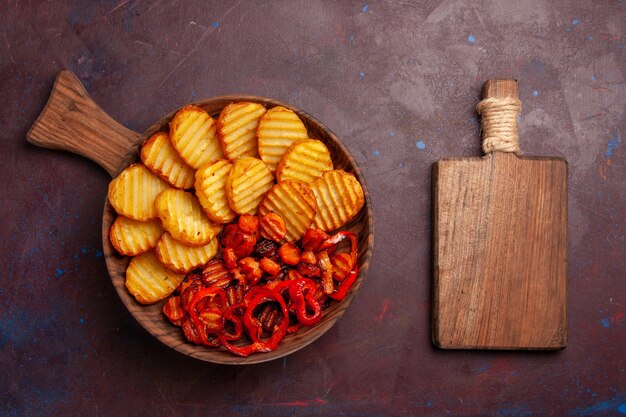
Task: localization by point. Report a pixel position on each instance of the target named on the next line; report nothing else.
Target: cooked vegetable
(305, 161)
(194, 135)
(247, 183)
(132, 193)
(237, 127)
(211, 190)
(148, 280)
(339, 198)
(133, 237)
(183, 258)
(158, 154)
(182, 216)
(295, 203)
(278, 129)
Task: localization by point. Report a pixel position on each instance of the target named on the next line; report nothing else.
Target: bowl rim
(186, 348)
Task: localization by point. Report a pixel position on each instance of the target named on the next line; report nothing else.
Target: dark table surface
(398, 82)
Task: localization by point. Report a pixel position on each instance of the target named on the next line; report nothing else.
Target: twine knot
(499, 124)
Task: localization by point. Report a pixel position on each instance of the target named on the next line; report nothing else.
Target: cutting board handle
(500, 88)
(72, 121)
(499, 110)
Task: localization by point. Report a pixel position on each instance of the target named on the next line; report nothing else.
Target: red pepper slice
(193, 314)
(327, 272)
(229, 316)
(282, 287)
(346, 284)
(338, 237)
(279, 286)
(302, 301)
(254, 291)
(278, 333)
(253, 325)
(294, 328)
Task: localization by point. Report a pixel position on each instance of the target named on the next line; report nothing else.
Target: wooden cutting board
(500, 241)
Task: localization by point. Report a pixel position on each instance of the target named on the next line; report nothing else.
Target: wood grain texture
(500, 88)
(500, 243)
(72, 121)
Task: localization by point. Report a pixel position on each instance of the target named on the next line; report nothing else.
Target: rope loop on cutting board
(499, 124)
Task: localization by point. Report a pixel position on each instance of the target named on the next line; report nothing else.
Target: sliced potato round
(183, 258)
(278, 129)
(237, 126)
(158, 154)
(247, 183)
(182, 216)
(295, 203)
(193, 133)
(339, 198)
(211, 191)
(133, 237)
(148, 280)
(132, 193)
(305, 160)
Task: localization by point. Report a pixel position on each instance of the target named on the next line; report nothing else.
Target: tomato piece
(248, 223)
(289, 253)
(308, 270)
(228, 235)
(269, 266)
(251, 269)
(314, 239)
(243, 244)
(308, 257)
(229, 257)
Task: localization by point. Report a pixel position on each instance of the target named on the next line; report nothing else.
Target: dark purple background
(398, 82)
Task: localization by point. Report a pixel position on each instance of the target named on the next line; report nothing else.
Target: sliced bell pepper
(327, 272)
(278, 333)
(193, 314)
(230, 316)
(346, 284)
(301, 292)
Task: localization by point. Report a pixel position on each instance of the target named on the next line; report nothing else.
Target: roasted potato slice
(295, 203)
(148, 280)
(305, 160)
(339, 198)
(194, 135)
(133, 237)
(183, 258)
(237, 126)
(278, 129)
(182, 216)
(158, 154)
(247, 183)
(132, 193)
(211, 191)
